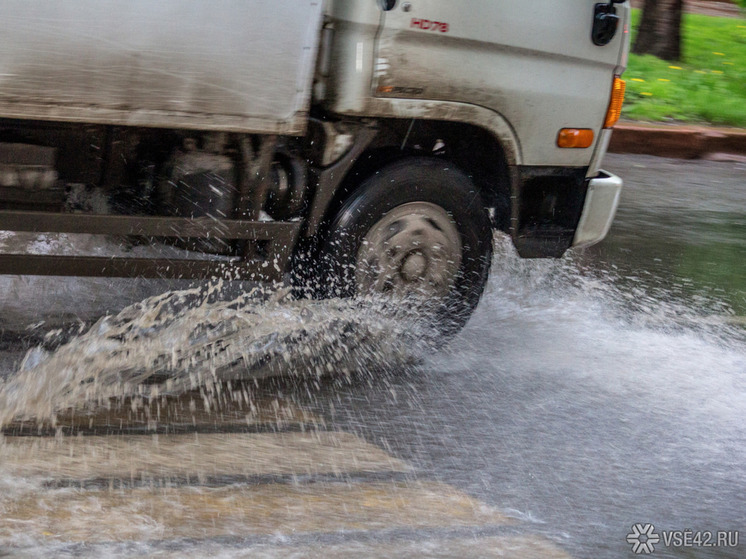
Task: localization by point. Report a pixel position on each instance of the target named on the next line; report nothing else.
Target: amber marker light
(575, 138)
(615, 105)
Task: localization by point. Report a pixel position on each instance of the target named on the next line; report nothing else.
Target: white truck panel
(234, 65)
(537, 69)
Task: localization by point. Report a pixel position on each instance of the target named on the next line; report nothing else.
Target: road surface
(586, 396)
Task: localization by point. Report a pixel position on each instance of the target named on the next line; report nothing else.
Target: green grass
(707, 86)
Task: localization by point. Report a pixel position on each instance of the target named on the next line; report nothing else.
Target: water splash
(183, 340)
(649, 340)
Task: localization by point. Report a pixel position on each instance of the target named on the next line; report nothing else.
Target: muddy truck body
(365, 144)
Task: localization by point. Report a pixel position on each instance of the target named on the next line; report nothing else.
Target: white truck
(354, 144)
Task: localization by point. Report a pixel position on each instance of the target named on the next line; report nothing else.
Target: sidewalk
(684, 141)
(679, 141)
(705, 7)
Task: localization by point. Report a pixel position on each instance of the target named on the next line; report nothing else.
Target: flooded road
(586, 396)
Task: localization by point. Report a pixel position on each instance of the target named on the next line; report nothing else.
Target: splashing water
(182, 340)
(647, 340)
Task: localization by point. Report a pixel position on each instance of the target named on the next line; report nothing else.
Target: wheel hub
(414, 267)
(414, 248)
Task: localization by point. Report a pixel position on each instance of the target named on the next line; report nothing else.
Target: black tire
(414, 180)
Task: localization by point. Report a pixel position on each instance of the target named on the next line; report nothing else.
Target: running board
(280, 237)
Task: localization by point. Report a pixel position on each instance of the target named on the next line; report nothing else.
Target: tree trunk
(660, 29)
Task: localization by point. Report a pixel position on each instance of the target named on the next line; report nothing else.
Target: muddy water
(586, 395)
(196, 339)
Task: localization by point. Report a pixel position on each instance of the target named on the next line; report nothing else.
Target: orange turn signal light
(615, 105)
(575, 138)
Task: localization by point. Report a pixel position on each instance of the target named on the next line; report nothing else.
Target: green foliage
(709, 85)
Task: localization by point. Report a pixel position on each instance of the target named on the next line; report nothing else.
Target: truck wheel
(417, 227)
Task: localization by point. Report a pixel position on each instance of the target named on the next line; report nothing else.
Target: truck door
(533, 62)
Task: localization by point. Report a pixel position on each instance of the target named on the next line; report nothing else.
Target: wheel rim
(413, 249)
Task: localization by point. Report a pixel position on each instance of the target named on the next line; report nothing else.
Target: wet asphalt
(586, 395)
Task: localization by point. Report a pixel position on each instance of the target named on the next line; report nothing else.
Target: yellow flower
(636, 80)
(718, 54)
(676, 67)
(663, 80)
(646, 93)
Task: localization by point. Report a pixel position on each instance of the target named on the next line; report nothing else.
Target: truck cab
(532, 78)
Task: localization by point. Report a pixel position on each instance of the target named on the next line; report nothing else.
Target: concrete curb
(677, 141)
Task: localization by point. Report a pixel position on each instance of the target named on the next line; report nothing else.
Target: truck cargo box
(234, 65)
